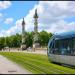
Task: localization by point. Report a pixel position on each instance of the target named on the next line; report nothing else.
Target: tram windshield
(63, 46)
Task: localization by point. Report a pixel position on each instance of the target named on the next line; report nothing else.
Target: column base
(36, 45)
(23, 47)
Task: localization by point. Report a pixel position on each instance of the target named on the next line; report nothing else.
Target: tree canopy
(15, 40)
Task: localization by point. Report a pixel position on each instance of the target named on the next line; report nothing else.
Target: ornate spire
(35, 15)
(23, 22)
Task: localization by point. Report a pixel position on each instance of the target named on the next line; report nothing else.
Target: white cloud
(9, 21)
(51, 17)
(5, 4)
(53, 14)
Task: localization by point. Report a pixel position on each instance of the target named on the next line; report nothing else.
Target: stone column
(35, 42)
(23, 46)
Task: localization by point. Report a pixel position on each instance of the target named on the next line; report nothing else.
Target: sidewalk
(28, 51)
(37, 52)
(9, 67)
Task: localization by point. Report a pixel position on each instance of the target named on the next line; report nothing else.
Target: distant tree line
(15, 40)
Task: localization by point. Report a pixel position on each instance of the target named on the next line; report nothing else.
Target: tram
(61, 48)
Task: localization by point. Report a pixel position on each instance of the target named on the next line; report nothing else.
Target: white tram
(61, 48)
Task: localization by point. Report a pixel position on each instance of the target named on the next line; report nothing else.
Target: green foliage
(15, 40)
(37, 63)
(44, 38)
(29, 39)
(2, 42)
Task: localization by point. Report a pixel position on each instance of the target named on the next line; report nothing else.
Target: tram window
(66, 46)
(51, 47)
(73, 52)
(70, 50)
(57, 43)
(71, 46)
(63, 46)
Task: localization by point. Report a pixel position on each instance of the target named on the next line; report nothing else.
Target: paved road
(9, 67)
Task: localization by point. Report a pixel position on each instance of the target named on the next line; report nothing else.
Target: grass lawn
(37, 63)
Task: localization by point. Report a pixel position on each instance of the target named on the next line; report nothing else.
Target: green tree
(2, 42)
(44, 38)
(15, 40)
(29, 39)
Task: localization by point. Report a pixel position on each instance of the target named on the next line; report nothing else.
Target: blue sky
(17, 10)
(70, 19)
(54, 16)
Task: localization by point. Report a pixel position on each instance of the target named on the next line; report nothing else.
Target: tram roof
(65, 35)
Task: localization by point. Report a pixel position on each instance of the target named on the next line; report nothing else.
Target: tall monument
(35, 41)
(23, 46)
